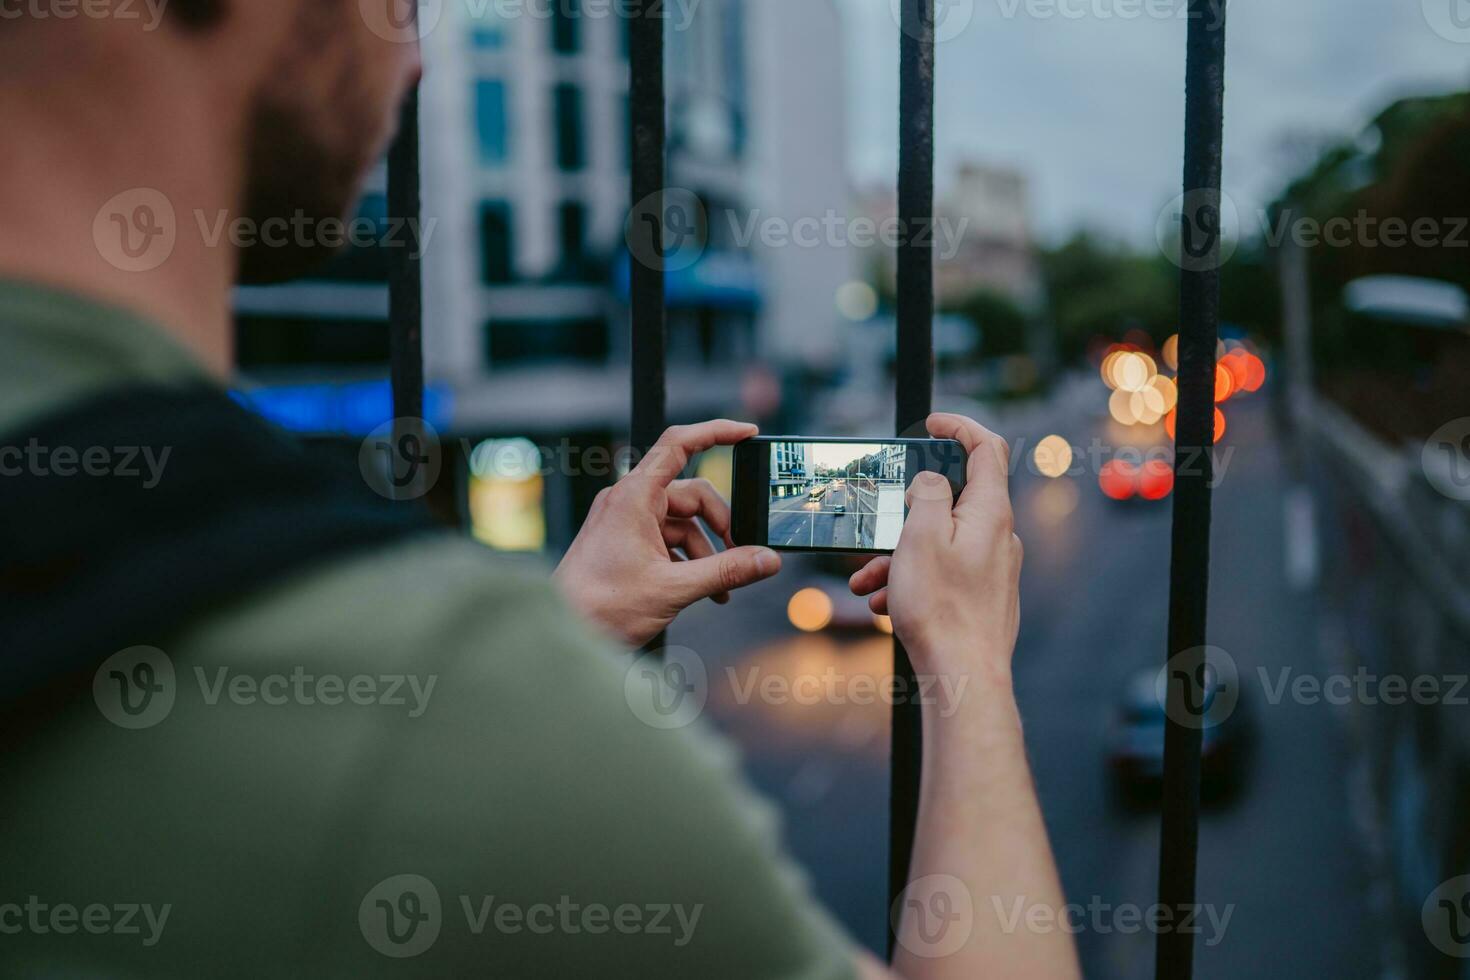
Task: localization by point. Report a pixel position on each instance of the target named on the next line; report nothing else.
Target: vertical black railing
(646, 277)
(1199, 314)
(915, 383)
(405, 284)
(646, 315)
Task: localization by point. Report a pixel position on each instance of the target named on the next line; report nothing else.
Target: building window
(487, 38)
(572, 226)
(523, 342)
(496, 249)
(568, 105)
(490, 120)
(565, 17)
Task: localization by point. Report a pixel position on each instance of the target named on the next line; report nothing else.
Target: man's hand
(625, 571)
(952, 590)
(951, 586)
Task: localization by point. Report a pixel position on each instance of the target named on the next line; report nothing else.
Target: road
(1285, 860)
(800, 522)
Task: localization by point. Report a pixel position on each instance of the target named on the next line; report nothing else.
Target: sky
(839, 454)
(1086, 96)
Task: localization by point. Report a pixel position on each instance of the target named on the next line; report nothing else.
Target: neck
(120, 159)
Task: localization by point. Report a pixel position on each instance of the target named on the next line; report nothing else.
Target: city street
(1284, 861)
(799, 522)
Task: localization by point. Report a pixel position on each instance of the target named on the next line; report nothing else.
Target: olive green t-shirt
(411, 762)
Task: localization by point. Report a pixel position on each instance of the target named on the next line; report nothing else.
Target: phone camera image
(843, 496)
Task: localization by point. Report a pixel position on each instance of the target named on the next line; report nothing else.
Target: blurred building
(983, 240)
(525, 191)
(997, 251)
(791, 468)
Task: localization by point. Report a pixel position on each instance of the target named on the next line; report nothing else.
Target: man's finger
(690, 538)
(871, 577)
(725, 572)
(668, 457)
(930, 502)
(699, 498)
(878, 602)
(987, 471)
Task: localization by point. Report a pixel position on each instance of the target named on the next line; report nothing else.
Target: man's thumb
(725, 572)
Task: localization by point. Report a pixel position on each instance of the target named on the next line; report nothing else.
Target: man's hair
(196, 14)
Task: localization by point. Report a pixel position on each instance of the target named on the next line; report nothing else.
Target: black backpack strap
(126, 515)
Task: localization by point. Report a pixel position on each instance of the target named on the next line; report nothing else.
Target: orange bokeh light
(1171, 420)
(1116, 479)
(1224, 382)
(1155, 480)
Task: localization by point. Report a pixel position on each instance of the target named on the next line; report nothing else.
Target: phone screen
(843, 496)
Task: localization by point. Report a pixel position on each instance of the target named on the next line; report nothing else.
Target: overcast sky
(1091, 107)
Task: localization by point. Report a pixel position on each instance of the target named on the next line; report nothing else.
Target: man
(338, 746)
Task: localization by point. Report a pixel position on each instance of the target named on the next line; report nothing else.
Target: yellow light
(1108, 364)
(1171, 352)
(506, 495)
(1167, 389)
(1053, 456)
(1133, 370)
(1120, 407)
(1147, 405)
(810, 610)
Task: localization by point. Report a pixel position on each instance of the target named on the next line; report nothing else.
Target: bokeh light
(857, 301)
(1155, 480)
(810, 610)
(1120, 407)
(1116, 479)
(1224, 383)
(1053, 456)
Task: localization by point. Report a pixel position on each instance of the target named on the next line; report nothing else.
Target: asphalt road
(1285, 860)
(799, 522)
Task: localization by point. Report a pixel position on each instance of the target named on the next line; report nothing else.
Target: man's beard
(297, 196)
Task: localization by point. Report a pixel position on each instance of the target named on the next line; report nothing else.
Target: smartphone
(799, 493)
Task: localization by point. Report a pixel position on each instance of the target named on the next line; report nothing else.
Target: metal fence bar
(405, 279)
(915, 384)
(1199, 313)
(646, 287)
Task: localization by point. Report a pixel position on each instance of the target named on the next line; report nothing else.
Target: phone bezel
(750, 478)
